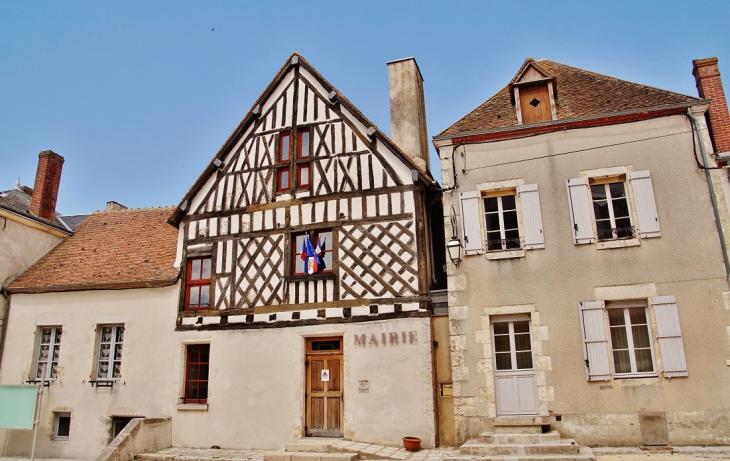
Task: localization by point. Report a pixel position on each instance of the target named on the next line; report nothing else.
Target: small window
(196, 377)
(283, 182)
(611, 210)
(118, 424)
(109, 363)
(61, 426)
(197, 285)
(630, 341)
(303, 145)
(312, 252)
(327, 345)
(303, 178)
(48, 353)
(502, 224)
(284, 146)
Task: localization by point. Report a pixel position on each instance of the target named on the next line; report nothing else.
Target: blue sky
(138, 96)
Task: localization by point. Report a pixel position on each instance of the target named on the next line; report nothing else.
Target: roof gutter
(566, 121)
(98, 286)
(35, 223)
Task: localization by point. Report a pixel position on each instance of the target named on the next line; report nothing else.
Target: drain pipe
(713, 198)
(4, 314)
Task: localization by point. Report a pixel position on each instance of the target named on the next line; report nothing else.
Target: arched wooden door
(323, 394)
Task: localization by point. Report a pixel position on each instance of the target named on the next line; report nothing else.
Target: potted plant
(411, 443)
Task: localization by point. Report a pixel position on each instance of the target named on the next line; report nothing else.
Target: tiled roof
(117, 249)
(580, 93)
(18, 201)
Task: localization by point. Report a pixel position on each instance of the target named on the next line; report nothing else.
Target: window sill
(310, 277)
(610, 244)
(635, 375)
(192, 407)
(509, 254)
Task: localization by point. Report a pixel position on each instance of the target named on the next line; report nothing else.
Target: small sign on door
(325, 376)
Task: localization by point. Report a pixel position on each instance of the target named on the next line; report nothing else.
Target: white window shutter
(531, 216)
(471, 225)
(595, 344)
(645, 204)
(670, 336)
(580, 210)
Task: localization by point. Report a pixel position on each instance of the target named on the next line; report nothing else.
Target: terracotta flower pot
(411, 443)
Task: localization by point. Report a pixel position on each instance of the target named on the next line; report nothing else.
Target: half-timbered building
(305, 252)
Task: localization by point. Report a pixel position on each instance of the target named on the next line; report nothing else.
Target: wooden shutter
(471, 226)
(645, 204)
(670, 336)
(531, 216)
(580, 210)
(595, 345)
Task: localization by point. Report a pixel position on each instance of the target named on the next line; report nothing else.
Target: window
(109, 359)
(512, 345)
(508, 212)
(48, 352)
(294, 171)
(61, 426)
(611, 211)
(618, 340)
(196, 375)
(607, 205)
(501, 221)
(320, 244)
(118, 424)
(197, 284)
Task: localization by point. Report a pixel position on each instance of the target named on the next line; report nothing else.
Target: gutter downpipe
(713, 198)
(4, 297)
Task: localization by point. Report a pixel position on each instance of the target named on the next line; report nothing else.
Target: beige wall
(685, 261)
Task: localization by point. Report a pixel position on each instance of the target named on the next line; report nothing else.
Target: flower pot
(411, 443)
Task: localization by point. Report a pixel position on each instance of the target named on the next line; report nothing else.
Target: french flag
(311, 256)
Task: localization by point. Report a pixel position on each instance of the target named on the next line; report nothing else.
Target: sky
(138, 96)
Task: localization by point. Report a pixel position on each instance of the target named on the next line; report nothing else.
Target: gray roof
(18, 201)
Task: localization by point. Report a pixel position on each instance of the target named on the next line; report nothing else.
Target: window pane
(204, 353)
(194, 296)
(118, 352)
(621, 361)
(617, 189)
(604, 230)
(298, 265)
(56, 353)
(641, 335)
(492, 221)
(43, 355)
(304, 144)
(192, 392)
(117, 370)
(204, 372)
(59, 332)
(524, 360)
(623, 228)
(104, 351)
(513, 239)
(643, 361)
(522, 342)
(504, 362)
(522, 327)
(303, 175)
(494, 242)
(205, 295)
(510, 220)
(106, 334)
(619, 339)
(284, 148)
(54, 370)
(46, 336)
(64, 426)
(490, 204)
(203, 390)
(120, 334)
(193, 372)
(325, 240)
(194, 354)
(501, 343)
(327, 260)
(600, 209)
(195, 270)
(501, 328)
(508, 202)
(283, 178)
(620, 208)
(206, 268)
(598, 192)
(103, 370)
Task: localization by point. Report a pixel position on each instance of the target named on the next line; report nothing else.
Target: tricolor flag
(311, 256)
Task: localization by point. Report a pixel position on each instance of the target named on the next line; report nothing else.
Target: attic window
(535, 102)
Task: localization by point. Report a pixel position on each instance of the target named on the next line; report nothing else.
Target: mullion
(500, 213)
(609, 205)
(512, 344)
(630, 340)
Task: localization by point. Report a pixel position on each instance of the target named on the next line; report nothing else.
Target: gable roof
(17, 201)
(581, 93)
(250, 117)
(110, 250)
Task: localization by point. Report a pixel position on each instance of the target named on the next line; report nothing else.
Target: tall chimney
(47, 180)
(408, 110)
(709, 86)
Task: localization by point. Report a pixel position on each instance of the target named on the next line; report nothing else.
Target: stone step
(584, 454)
(523, 420)
(309, 446)
(506, 429)
(504, 439)
(550, 448)
(308, 456)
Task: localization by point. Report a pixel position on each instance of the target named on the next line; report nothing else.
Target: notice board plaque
(18, 406)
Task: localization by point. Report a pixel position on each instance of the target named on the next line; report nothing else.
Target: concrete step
(490, 449)
(504, 439)
(308, 456)
(584, 454)
(521, 424)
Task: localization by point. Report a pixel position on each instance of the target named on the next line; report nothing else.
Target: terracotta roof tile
(580, 93)
(118, 249)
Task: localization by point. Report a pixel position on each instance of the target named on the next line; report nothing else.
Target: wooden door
(535, 104)
(514, 371)
(324, 396)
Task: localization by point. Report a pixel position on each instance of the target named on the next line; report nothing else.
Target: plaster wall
(256, 389)
(147, 386)
(548, 283)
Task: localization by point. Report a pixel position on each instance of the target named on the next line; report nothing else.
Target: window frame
(197, 283)
(186, 398)
(53, 346)
(296, 252)
(57, 415)
(500, 214)
(606, 182)
(628, 328)
(112, 359)
(295, 162)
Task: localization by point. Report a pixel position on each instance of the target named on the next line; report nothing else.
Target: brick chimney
(408, 110)
(709, 86)
(47, 180)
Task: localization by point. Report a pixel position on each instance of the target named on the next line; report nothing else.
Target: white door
(514, 368)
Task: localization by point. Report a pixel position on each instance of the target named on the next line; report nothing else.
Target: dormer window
(533, 93)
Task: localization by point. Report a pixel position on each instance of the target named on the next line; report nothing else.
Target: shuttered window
(674, 363)
(645, 204)
(580, 211)
(471, 229)
(595, 344)
(631, 340)
(531, 216)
